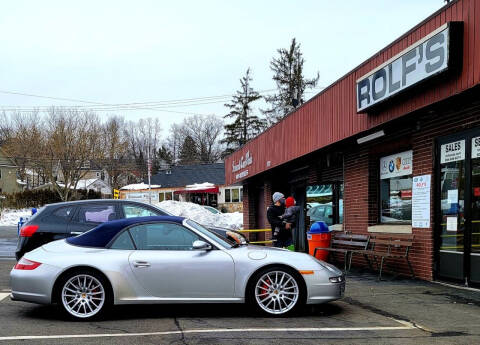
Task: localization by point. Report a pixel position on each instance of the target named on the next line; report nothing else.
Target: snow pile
(139, 186)
(10, 217)
(198, 213)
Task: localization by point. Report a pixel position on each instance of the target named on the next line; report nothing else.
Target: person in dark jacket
(281, 233)
(290, 216)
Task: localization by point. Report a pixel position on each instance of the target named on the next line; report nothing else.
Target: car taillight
(28, 230)
(24, 264)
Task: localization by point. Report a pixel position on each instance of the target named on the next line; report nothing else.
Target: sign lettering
(422, 60)
(452, 152)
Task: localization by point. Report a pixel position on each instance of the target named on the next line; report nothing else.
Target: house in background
(89, 170)
(8, 175)
(94, 184)
(202, 184)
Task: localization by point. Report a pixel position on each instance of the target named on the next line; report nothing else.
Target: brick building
(391, 147)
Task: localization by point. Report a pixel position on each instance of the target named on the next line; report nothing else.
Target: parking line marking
(3, 295)
(218, 330)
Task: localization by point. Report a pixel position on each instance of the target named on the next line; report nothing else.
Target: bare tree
(143, 139)
(115, 149)
(205, 132)
(24, 142)
(6, 127)
(73, 143)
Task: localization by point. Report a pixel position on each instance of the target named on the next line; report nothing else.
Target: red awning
(193, 191)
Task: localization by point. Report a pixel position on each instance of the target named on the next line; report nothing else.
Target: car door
(167, 266)
(89, 215)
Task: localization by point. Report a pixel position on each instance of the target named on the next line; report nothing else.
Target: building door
(458, 207)
(300, 234)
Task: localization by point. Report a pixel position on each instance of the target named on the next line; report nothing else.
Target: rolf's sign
(420, 61)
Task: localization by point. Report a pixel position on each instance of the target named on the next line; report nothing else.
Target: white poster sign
(452, 152)
(421, 201)
(452, 196)
(452, 223)
(396, 165)
(476, 147)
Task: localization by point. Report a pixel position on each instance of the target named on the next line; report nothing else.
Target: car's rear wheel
(277, 291)
(84, 294)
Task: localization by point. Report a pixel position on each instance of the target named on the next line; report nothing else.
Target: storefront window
(241, 194)
(176, 197)
(396, 188)
(320, 203)
(161, 197)
(168, 196)
(227, 195)
(235, 195)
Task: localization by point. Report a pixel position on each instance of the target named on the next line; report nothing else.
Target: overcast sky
(117, 52)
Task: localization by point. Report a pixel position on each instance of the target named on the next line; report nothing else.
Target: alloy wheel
(277, 292)
(83, 296)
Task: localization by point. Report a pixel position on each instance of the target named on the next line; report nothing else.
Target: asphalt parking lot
(388, 312)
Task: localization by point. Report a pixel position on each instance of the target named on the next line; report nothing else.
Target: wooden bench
(347, 244)
(388, 246)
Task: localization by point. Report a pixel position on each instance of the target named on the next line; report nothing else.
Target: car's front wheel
(84, 294)
(277, 291)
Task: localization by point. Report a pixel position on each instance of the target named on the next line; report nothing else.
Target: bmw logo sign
(391, 166)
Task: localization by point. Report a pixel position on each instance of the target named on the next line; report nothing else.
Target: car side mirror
(201, 245)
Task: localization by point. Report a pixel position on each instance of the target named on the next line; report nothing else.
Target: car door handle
(141, 264)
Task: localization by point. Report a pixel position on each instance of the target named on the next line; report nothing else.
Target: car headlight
(336, 279)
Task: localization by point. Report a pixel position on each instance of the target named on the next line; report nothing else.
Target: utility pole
(149, 168)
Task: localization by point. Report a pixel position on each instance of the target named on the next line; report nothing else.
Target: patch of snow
(199, 186)
(10, 217)
(201, 215)
(139, 186)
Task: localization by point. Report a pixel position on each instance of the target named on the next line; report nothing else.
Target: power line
(162, 106)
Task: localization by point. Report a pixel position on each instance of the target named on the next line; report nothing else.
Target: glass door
(452, 196)
(475, 212)
(458, 208)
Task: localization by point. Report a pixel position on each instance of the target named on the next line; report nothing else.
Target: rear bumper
(33, 285)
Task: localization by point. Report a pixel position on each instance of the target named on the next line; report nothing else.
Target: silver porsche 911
(168, 260)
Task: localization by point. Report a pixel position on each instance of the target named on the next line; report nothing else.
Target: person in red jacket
(290, 217)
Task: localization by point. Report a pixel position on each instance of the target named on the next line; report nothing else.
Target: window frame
(70, 216)
(229, 190)
(120, 233)
(379, 186)
(78, 211)
(214, 245)
(139, 206)
(230, 193)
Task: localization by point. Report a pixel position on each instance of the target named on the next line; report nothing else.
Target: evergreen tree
(164, 158)
(291, 85)
(188, 152)
(245, 125)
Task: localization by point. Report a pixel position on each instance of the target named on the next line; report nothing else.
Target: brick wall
(417, 132)
(361, 195)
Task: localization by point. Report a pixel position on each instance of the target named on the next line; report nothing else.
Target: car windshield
(210, 234)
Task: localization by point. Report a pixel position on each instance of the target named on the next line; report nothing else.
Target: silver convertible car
(168, 260)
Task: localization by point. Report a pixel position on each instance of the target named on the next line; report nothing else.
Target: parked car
(66, 219)
(212, 209)
(168, 259)
(321, 213)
